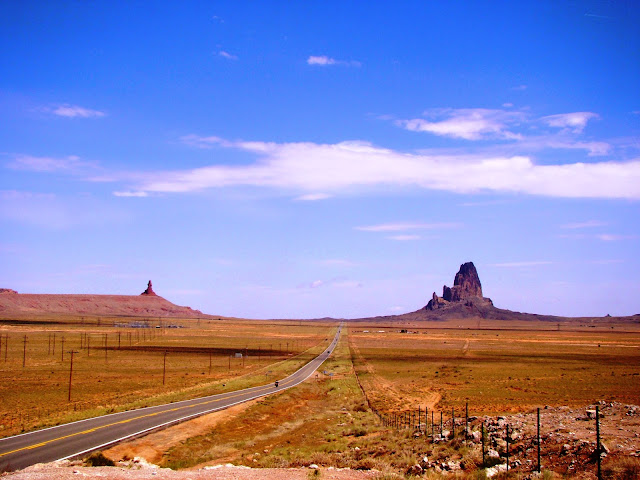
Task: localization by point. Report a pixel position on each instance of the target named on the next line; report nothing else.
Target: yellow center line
(91, 430)
(120, 422)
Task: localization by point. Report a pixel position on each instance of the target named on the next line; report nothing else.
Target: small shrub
(97, 459)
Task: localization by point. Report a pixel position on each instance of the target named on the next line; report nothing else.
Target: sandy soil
(141, 470)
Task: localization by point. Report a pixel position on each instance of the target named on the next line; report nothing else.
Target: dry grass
(104, 381)
(496, 371)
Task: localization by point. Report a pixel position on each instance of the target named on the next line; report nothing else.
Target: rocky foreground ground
(568, 444)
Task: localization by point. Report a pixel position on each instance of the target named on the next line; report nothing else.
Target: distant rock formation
(149, 290)
(466, 288)
(7, 290)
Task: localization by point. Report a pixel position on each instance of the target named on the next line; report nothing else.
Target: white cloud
(71, 163)
(609, 237)
(227, 55)
(75, 111)
(574, 122)
(604, 237)
(402, 227)
(312, 197)
(323, 60)
(131, 194)
(587, 224)
(519, 88)
(521, 264)
(466, 123)
(404, 238)
(310, 167)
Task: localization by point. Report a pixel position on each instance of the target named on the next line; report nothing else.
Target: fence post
(507, 447)
(433, 426)
(538, 436)
(484, 463)
(426, 422)
(453, 424)
(466, 421)
(441, 423)
(598, 448)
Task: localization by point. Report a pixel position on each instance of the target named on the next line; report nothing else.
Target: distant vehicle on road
(276, 383)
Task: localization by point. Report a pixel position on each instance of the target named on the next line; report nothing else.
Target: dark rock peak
(149, 290)
(7, 290)
(466, 285)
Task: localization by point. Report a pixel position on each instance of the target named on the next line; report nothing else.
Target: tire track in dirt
(383, 394)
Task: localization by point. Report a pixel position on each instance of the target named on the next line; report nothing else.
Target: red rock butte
(148, 304)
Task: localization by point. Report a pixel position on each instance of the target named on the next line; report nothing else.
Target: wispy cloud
(574, 122)
(587, 224)
(404, 238)
(610, 237)
(227, 55)
(535, 263)
(71, 163)
(403, 227)
(313, 197)
(74, 111)
(331, 168)
(604, 237)
(333, 283)
(466, 123)
(131, 194)
(323, 61)
(519, 88)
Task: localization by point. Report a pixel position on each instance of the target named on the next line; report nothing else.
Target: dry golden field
(496, 369)
(128, 373)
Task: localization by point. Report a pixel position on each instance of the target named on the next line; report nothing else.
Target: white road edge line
(210, 397)
(195, 414)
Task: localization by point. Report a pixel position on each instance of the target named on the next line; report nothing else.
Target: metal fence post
(507, 447)
(598, 446)
(538, 438)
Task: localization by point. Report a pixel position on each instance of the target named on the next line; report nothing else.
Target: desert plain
(486, 373)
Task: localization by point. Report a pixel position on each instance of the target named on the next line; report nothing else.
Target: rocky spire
(149, 290)
(465, 285)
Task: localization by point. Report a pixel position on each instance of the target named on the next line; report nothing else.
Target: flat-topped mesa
(466, 287)
(149, 290)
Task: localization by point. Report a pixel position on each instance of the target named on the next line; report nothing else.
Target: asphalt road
(77, 438)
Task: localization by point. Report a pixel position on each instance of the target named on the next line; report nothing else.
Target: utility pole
(209, 362)
(62, 350)
(24, 352)
(164, 368)
(71, 372)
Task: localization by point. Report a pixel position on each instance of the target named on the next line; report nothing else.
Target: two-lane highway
(77, 438)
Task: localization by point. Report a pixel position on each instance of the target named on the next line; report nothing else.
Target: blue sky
(309, 159)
